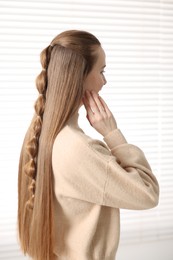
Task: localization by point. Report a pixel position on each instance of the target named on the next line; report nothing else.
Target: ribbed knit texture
(92, 180)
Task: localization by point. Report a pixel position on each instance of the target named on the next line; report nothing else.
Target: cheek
(93, 82)
(100, 80)
(89, 82)
(97, 79)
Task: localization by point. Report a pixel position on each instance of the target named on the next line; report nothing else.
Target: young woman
(70, 186)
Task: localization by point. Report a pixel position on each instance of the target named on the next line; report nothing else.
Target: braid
(30, 167)
(65, 64)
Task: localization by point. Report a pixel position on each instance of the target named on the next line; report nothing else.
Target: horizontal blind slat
(137, 37)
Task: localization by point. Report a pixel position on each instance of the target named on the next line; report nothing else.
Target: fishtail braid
(30, 167)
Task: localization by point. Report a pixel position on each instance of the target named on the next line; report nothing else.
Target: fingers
(95, 104)
(87, 106)
(92, 102)
(98, 102)
(105, 106)
(98, 113)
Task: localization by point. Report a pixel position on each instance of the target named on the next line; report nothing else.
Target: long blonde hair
(65, 64)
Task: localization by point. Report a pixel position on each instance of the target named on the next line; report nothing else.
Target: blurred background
(137, 37)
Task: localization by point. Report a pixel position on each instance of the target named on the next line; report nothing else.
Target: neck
(74, 119)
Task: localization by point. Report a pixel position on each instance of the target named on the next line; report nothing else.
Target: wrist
(108, 132)
(114, 138)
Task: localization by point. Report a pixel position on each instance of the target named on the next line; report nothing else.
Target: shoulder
(79, 165)
(73, 142)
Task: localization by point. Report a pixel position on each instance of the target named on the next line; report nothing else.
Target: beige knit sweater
(92, 180)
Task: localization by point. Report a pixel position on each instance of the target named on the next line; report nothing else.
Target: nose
(104, 80)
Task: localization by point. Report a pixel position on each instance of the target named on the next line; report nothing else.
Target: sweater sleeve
(135, 181)
(117, 175)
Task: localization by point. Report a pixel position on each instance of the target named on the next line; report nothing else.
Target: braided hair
(30, 168)
(65, 64)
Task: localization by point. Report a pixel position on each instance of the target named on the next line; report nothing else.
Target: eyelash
(102, 72)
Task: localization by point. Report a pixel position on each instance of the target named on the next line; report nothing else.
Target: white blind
(138, 39)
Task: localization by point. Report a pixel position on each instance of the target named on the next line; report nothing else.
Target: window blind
(138, 40)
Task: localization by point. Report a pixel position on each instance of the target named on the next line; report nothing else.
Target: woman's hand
(98, 113)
